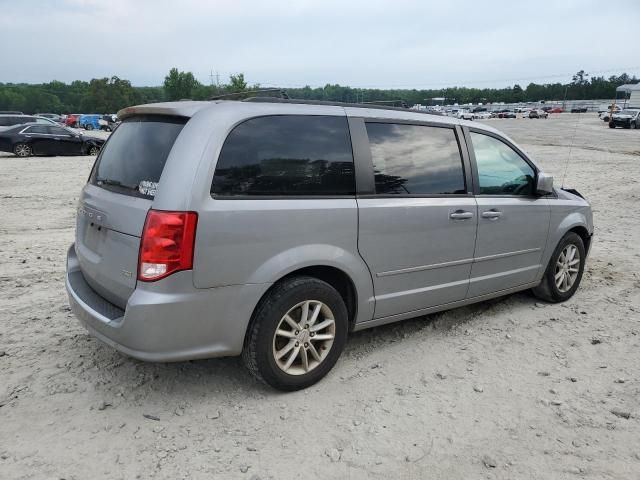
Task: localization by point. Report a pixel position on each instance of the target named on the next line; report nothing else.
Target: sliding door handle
(460, 215)
(492, 214)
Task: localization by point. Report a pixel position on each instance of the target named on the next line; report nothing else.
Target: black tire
(93, 150)
(22, 150)
(612, 125)
(634, 125)
(547, 289)
(258, 353)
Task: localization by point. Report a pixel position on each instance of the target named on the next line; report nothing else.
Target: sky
(369, 44)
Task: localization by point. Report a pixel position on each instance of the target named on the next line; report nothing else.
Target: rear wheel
(22, 150)
(564, 272)
(93, 150)
(297, 333)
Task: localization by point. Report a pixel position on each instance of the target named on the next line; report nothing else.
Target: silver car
(271, 229)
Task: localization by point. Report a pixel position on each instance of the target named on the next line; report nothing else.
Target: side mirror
(544, 185)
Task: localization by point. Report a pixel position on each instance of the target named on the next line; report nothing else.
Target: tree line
(108, 95)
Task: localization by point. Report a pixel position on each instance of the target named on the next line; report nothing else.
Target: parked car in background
(556, 110)
(538, 114)
(627, 118)
(10, 112)
(579, 110)
(464, 114)
(108, 123)
(605, 115)
(51, 116)
(9, 120)
(482, 115)
(547, 109)
(89, 122)
(72, 119)
(615, 107)
(271, 230)
(30, 139)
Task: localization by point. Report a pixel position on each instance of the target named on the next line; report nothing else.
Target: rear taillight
(166, 245)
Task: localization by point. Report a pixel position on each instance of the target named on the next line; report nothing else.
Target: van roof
(270, 105)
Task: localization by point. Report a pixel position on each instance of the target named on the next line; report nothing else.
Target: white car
(482, 115)
(465, 115)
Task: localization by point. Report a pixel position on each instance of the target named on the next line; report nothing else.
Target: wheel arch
(584, 234)
(578, 221)
(337, 277)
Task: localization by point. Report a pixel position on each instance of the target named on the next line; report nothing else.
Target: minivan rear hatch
(114, 203)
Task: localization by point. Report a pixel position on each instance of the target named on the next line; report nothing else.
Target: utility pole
(217, 75)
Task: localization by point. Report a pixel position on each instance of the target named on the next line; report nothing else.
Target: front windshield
(628, 112)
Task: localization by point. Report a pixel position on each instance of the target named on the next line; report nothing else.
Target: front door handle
(460, 215)
(492, 214)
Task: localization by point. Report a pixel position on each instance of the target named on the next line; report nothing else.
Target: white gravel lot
(510, 388)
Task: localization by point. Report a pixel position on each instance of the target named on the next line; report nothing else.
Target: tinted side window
(413, 159)
(58, 131)
(286, 155)
(37, 129)
(501, 170)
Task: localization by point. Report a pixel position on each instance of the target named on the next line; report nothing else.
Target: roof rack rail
(336, 104)
(388, 103)
(279, 91)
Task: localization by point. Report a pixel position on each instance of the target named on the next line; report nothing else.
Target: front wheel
(23, 150)
(564, 272)
(634, 125)
(612, 125)
(93, 150)
(297, 333)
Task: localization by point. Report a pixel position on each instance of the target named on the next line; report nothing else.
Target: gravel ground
(510, 388)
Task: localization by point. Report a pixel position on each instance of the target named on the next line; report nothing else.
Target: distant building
(629, 95)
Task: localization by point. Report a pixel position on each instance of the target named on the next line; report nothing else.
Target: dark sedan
(36, 139)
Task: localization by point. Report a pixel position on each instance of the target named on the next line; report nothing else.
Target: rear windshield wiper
(115, 183)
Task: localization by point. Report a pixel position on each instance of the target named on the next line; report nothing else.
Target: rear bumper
(169, 320)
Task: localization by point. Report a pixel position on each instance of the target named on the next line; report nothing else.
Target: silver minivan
(271, 229)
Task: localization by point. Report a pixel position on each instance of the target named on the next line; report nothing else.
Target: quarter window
(286, 155)
(414, 159)
(501, 170)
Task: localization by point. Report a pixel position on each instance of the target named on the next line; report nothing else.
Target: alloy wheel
(23, 150)
(567, 268)
(304, 337)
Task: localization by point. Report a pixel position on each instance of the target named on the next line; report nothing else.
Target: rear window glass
(133, 158)
(286, 155)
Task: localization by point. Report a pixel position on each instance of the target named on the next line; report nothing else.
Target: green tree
(237, 82)
(179, 85)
